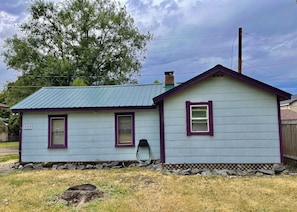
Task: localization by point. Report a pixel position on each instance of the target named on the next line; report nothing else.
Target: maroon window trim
(210, 118)
(50, 144)
(20, 136)
(117, 116)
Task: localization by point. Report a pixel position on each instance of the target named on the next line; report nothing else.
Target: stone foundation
(180, 169)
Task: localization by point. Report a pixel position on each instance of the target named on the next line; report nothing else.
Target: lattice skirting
(218, 166)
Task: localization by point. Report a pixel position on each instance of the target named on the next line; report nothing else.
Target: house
(3, 125)
(290, 104)
(218, 117)
(3, 130)
(287, 115)
(3, 106)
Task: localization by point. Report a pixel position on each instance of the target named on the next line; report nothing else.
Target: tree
(94, 40)
(18, 90)
(78, 82)
(13, 124)
(13, 119)
(4, 112)
(3, 127)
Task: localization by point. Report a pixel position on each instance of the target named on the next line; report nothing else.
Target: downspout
(280, 130)
(162, 132)
(20, 136)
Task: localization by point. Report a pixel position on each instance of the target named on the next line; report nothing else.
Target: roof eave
(83, 109)
(282, 105)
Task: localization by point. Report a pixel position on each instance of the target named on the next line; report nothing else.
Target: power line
(232, 51)
(274, 46)
(246, 33)
(262, 67)
(272, 74)
(251, 65)
(259, 67)
(274, 64)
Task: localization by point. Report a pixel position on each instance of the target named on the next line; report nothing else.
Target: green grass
(9, 144)
(9, 157)
(136, 189)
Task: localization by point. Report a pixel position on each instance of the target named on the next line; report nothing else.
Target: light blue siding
(245, 124)
(91, 137)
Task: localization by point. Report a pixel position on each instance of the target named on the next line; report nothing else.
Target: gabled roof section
(90, 97)
(221, 69)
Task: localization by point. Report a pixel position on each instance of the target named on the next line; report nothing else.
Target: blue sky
(192, 36)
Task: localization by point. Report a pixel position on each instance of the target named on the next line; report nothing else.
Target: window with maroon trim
(124, 130)
(57, 131)
(199, 118)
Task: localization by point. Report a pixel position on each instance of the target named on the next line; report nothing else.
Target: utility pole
(239, 50)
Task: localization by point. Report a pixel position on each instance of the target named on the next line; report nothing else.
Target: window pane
(199, 126)
(124, 129)
(199, 112)
(58, 132)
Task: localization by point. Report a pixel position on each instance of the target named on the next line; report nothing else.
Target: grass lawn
(5, 158)
(9, 144)
(9, 157)
(136, 189)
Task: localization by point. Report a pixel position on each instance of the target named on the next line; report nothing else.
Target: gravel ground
(7, 151)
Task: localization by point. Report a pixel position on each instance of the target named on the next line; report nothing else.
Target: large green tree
(73, 42)
(94, 40)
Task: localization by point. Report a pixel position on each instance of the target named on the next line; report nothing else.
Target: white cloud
(7, 22)
(194, 35)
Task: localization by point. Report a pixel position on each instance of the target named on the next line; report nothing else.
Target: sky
(192, 36)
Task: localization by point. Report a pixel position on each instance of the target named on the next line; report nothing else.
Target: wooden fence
(289, 136)
(4, 137)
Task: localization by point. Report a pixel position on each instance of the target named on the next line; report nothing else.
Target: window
(57, 131)
(124, 130)
(199, 118)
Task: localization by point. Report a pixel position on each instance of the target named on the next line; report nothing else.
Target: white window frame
(205, 119)
(190, 106)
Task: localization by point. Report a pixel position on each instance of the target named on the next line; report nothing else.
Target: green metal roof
(72, 97)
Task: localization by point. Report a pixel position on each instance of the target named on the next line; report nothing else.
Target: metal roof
(72, 97)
